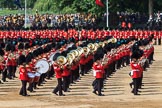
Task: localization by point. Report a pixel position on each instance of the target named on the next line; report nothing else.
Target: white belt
(135, 70)
(95, 71)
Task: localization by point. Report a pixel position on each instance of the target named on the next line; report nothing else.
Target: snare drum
(31, 77)
(37, 77)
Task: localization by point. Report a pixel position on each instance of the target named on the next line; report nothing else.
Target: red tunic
(82, 59)
(98, 70)
(66, 71)
(136, 70)
(1, 66)
(14, 62)
(23, 73)
(57, 70)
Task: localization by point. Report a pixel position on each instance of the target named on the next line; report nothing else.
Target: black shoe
(62, 95)
(1, 82)
(139, 91)
(94, 92)
(130, 84)
(132, 91)
(20, 94)
(55, 93)
(40, 85)
(101, 95)
(33, 91)
(136, 94)
(45, 81)
(26, 95)
(36, 88)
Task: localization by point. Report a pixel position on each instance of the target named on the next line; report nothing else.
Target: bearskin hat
(99, 54)
(56, 55)
(64, 53)
(13, 48)
(21, 59)
(28, 57)
(19, 39)
(35, 53)
(8, 47)
(14, 42)
(58, 46)
(2, 45)
(27, 45)
(53, 44)
(21, 46)
(2, 52)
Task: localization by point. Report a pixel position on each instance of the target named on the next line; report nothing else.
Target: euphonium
(69, 59)
(1, 59)
(24, 53)
(86, 50)
(80, 50)
(61, 60)
(114, 40)
(75, 52)
(71, 55)
(91, 46)
(96, 44)
(11, 55)
(102, 44)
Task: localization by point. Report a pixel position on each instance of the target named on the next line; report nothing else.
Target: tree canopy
(74, 6)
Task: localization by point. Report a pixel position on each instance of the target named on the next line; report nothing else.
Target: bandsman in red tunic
(98, 72)
(2, 65)
(23, 75)
(136, 73)
(58, 73)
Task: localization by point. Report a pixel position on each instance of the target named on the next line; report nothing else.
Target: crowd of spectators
(48, 21)
(38, 21)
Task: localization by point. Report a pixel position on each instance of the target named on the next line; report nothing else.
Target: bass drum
(42, 66)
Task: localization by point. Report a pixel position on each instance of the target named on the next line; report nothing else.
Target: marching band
(38, 55)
